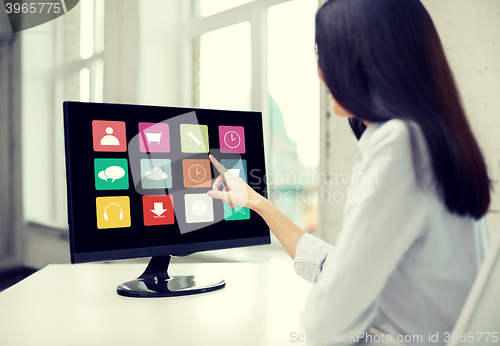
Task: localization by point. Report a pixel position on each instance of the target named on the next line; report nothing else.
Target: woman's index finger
(218, 166)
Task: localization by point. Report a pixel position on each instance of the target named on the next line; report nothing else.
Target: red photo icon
(158, 210)
(109, 136)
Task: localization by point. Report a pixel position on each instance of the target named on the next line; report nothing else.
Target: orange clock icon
(196, 173)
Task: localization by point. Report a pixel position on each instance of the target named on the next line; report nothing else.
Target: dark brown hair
(383, 59)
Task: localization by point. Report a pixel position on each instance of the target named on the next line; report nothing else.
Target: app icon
(154, 138)
(237, 213)
(158, 210)
(156, 174)
(232, 139)
(199, 208)
(113, 212)
(194, 138)
(196, 173)
(109, 136)
(238, 168)
(111, 174)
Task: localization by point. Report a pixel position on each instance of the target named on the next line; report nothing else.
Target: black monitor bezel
(164, 250)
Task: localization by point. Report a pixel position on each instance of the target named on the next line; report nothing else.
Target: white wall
(470, 33)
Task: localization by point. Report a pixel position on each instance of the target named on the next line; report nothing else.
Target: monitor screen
(138, 178)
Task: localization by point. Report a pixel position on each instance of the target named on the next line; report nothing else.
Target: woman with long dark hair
(408, 251)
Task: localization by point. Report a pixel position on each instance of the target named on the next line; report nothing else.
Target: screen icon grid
(156, 173)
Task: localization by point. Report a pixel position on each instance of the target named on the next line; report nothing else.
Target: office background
(228, 54)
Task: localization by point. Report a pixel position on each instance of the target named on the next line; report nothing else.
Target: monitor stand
(155, 282)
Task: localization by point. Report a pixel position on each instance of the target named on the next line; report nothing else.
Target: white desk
(78, 305)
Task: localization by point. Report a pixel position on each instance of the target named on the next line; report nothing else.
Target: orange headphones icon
(106, 214)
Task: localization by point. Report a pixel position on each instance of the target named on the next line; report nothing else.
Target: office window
(64, 62)
(81, 78)
(294, 102)
(223, 78)
(82, 46)
(262, 58)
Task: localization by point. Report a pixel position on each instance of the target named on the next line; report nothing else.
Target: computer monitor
(137, 179)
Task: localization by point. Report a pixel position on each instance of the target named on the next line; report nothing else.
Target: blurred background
(225, 54)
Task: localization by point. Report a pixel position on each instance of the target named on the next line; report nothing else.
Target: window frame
(255, 12)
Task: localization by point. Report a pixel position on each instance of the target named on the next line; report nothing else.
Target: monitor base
(155, 282)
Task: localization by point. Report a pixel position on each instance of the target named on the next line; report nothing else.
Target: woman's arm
(282, 227)
(237, 192)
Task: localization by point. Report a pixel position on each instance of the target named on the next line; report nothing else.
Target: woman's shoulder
(400, 135)
(402, 140)
(391, 131)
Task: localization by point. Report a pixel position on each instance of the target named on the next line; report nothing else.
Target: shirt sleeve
(382, 218)
(310, 256)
